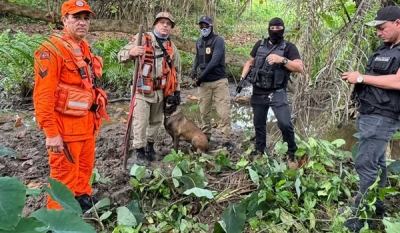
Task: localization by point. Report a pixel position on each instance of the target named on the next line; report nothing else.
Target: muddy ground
(32, 168)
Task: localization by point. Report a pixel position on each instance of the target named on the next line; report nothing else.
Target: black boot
(380, 209)
(354, 224)
(151, 154)
(85, 201)
(141, 158)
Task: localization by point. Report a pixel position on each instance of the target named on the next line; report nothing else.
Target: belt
(368, 109)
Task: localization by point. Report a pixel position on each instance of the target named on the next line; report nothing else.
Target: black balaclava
(276, 36)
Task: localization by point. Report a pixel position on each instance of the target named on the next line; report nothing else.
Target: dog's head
(169, 105)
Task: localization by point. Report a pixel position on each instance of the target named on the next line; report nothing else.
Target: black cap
(389, 13)
(205, 19)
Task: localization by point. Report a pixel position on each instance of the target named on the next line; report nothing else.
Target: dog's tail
(200, 144)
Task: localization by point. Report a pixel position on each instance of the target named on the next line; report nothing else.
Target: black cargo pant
(277, 100)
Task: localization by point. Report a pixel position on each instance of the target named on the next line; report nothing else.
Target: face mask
(276, 36)
(205, 31)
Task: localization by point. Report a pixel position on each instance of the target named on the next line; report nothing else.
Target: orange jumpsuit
(54, 64)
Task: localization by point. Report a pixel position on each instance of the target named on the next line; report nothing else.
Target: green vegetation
(16, 62)
(272, 198)
(253, 196)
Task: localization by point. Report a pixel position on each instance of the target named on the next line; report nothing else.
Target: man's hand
(350, 77)
(177, 95)
(193, 74)
(198, 82)
(274, 58)
(136, 51)
(55, 144)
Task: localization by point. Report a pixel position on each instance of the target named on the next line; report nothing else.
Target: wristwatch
(284, 61)
(360, 79)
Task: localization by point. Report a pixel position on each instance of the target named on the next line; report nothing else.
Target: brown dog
(181, 128)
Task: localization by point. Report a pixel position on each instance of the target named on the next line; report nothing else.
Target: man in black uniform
(212, 82)
(379, 109)
(273, 60)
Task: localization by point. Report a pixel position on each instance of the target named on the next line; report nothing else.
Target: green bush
(16, 62)
(116, 75)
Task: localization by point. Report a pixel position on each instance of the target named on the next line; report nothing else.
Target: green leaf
(235, 218)
(354, 150)
(242, 163)
(177, 172)
(105, 215)
(4, 151)
(134, 207)
(61, 194)
(12, 201)
(387, 190)
(102, 204)
(27, 225)
(396, 136)
(219, 227)
(391, 225)
(312, 221)
(62, 221)
(199, 192)
(313, 143)
(297, 185)
(253, 176)
(169, 158)
(125, 217)
(394, 167)
(338, 142)
(33, 192)
(281, 148)
(140, 173)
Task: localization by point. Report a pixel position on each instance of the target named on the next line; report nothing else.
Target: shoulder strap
(166, 55)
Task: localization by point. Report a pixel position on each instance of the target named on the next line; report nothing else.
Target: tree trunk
(110, 26)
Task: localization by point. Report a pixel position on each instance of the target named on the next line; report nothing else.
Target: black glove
(193, 74)
(177, 95)
(198, 82)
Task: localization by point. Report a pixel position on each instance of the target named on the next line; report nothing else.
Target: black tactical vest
(205, 50)
(265, 75)
(374, 99)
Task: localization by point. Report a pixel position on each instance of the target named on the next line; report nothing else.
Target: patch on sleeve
(43, 72)
(133, 39)
(44, 55)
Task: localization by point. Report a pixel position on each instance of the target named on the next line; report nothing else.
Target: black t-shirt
(290, 52)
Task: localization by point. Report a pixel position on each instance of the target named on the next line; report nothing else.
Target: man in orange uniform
(68, 105)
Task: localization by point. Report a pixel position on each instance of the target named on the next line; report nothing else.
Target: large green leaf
(134, 207)
(62, 221)
(391, 225)
(12, 200)
(4, 151)
(198, 192)
(125, 217)
(27, 225)
(234, 218)
(394, 167)
(60, 193)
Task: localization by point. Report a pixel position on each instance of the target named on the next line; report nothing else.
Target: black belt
(368, 109)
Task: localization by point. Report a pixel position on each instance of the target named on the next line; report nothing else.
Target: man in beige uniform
(148, 113)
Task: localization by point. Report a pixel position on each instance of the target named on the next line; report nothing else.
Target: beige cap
(164, 15)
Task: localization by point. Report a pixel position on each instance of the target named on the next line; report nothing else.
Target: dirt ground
(32, 168)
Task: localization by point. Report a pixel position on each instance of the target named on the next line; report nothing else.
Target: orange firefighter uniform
(67, 103)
